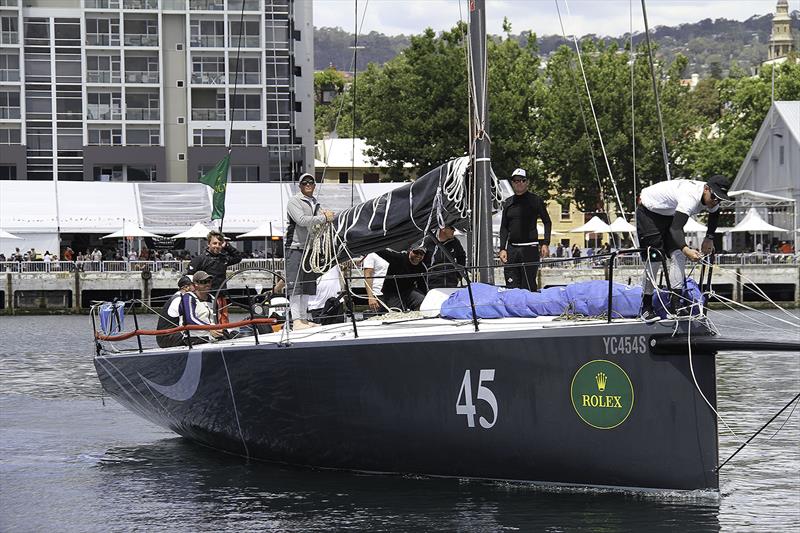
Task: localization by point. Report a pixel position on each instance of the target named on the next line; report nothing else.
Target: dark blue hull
(406, 405)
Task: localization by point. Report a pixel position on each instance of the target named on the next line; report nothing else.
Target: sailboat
(610, 402)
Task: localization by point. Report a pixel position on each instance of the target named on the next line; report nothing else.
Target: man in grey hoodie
(304, 212)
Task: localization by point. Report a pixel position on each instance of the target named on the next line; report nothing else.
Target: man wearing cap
(441, 270)
(664, 208)
(169, 315)
(519, 236)
(304, 212)
(195, 308)
(407, 291)
(219, 255)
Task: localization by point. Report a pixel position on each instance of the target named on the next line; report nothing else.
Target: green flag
(217, 179)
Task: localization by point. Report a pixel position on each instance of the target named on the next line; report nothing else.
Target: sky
(603, 17)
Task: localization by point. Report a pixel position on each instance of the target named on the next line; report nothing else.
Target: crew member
(519, 237)
(406, 292)
(326, 305)
(169, 315)
(195, 308)
(304, 212)
(664, 209)
(375, 268)
(219, 255)
(441, 271)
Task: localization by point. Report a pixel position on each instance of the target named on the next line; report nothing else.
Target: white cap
(519, 172)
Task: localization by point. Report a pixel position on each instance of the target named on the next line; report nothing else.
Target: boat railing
(179, 265)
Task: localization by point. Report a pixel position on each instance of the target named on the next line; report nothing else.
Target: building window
(246, 106)
(245, 173)
(248, 70)
(104, 106)
(343, 177)
(102, 32)
(103, 69)
(9, 136)
(108, 173)
(9, 67)
(9, 105)
(780, 155)
(246, 137)
(209, 137)
(9, 30)
(105, 136)
(142, 137)
(250, 37)
(8, 172)
(565, 210)
(207, 33)
(371, 177)
(208, 70)
(142, 173)
(37, 32)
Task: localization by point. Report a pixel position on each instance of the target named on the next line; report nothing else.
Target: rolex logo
(600, 378)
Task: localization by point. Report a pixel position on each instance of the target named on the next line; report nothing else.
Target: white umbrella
(753, 223)
(198, 231)
(6, 235)
(129, 229)
(267, 229)
(620, 225)
(693, 226)
(595, 225)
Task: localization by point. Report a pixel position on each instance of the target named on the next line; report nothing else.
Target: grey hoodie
(301, 210)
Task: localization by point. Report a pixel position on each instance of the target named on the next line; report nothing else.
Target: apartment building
(155, 90)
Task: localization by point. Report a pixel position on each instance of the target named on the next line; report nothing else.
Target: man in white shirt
(664, 209)
(375, 268)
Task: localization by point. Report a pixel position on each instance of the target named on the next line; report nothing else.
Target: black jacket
(441, 272)
(399, 265)
(518, 224)
(215, 265)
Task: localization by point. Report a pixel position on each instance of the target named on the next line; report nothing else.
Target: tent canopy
(6, 235)
(693, 226)
(198, 231)
(129, 229)
(595, 225)
(267, 229)
(620, 225)
(753, 222)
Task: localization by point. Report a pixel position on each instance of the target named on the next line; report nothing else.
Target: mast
(479, 129)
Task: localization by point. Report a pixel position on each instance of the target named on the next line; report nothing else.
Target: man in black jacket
(219, 255)
(406, 292)
(441, 271)
(519, 238)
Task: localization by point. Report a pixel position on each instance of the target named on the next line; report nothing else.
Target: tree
(328, 85)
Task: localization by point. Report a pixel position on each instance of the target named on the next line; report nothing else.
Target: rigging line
(664, 152)
(233, 400)
(784, 422)
(596, 123)
(748, 308)
(633, 111)
(583, 115)
(759, 431)
(355, 82)
(469, 87)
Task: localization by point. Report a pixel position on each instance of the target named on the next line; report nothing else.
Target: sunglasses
(519, 180)
(204, 282)
(307, 182)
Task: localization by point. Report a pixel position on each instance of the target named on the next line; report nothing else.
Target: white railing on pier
(126, 266)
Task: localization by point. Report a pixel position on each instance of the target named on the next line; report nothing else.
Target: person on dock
(441, 271)
(218, 256)
(170, 315)
(519, 237)
(664, 208)
(407, 291)
(304, 212)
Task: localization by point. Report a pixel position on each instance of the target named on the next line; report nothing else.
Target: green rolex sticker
(602, 394)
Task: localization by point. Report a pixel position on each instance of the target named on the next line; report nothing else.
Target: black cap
(184, 281)
(419, 245)
(719, 185)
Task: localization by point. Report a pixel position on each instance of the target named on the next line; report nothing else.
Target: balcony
(245, 78)
(9, 37)
(142, 113)
(103, 112)
(102, 39)
(208, 41)
(208, 78)
(9, 75)
(10, 113)
(246, 114)
(140, 4)
(207, 5)
(249, 5)
(102, 76)
(141, 76)
(102, 4)
(208, 114)
(140, 39)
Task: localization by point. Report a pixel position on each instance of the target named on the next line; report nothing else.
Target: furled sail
(395, 219)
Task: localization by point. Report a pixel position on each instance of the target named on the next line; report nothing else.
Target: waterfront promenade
(64, 286)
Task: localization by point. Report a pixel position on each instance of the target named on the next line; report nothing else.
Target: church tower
(781, 42)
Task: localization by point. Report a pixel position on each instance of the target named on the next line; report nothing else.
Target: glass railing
(208, 114)
(102, 39)
(140, 4)
(208, 41)
(208, 78)
(9, 37)
(10, 112)
(141, 76)
(9, 75)
(176, 5)
(249, 5)
(142, 113)
(248, 41)
(246, 78)
(101, 4)
(141, 39)
(207, 5)
(94, 112)
(102, 76)
(246, 114)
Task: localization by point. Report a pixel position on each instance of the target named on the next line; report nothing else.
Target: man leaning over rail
(664, 208)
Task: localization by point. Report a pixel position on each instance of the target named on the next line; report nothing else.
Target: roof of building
(790, 112)
(338, 153)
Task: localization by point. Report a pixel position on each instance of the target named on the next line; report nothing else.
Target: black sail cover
(395, 219)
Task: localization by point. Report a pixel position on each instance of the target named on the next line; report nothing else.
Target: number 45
(468, 408)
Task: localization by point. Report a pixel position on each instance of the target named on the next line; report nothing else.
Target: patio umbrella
(198, 231)
(128, 229)
(595, 225)
(620, 225)
(693, 226)
(6, 235)
(271, 230)
(753, 223)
